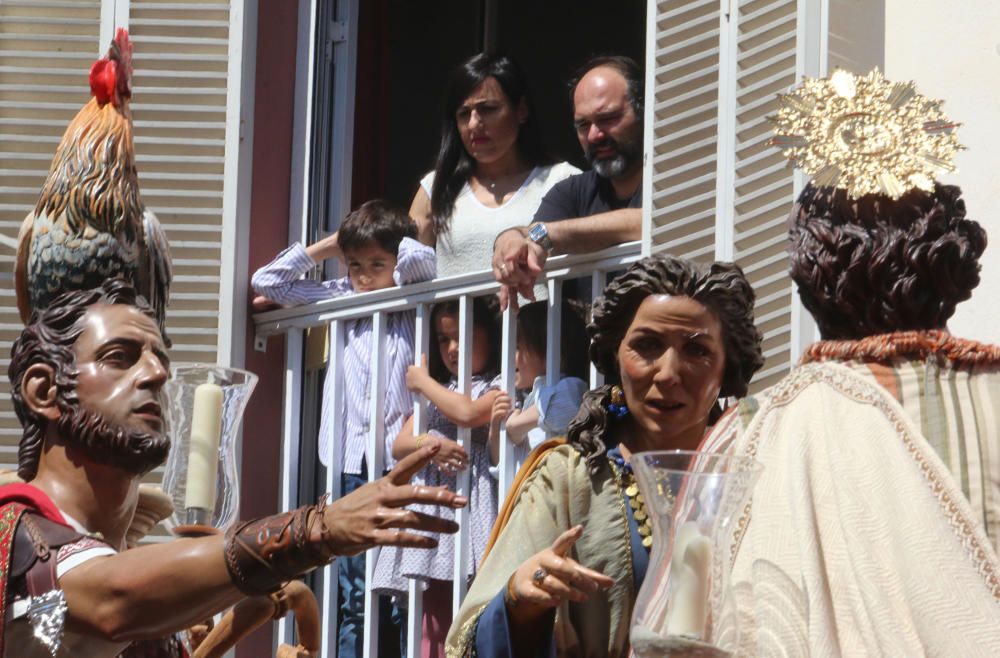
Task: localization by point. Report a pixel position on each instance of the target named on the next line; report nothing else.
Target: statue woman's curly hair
(875, 265)
(721, 287)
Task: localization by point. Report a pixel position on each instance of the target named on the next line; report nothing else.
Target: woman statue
(671, 337)
(491, 171)
(875, 525)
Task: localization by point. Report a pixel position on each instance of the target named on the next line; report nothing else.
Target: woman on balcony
(671, 337)
(491, 171)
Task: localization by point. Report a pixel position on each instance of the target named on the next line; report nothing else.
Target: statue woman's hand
(549, 577)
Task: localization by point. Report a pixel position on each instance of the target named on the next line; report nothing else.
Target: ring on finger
(539, 575)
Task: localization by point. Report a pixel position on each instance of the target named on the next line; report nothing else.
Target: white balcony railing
(376, 305)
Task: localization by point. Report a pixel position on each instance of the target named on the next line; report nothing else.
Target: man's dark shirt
(583, 195)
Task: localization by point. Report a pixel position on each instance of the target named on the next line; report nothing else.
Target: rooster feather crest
(90, 223)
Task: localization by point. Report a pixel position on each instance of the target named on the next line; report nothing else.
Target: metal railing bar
(376, 465)
(597, 282)
(415, 593)
(553, 333)
(507, 465)
(337, 341)
(462, 479)
(399, 299)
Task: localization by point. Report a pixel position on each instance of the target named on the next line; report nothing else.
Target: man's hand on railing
(517, 262)
(374, 514)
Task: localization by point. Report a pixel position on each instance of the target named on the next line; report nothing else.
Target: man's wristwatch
(540, 236)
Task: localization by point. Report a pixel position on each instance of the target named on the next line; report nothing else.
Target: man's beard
(112, 444)
(627, 153)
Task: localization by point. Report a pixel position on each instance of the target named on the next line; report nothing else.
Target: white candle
(203, 451)
(690, 566)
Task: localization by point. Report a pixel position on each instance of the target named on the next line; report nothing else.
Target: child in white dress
(449, 409)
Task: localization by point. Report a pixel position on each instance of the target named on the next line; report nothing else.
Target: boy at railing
(546, 410)
(377, 244)
(448, 410)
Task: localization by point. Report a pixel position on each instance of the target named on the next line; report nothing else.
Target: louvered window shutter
(46, 49)
(719, 190)
(181, 87)
(685, 101)
(763, 186)
(179, 112)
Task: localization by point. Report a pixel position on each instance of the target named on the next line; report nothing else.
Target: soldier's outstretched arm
(150, 591)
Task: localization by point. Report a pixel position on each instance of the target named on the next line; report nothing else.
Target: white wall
(951, 50)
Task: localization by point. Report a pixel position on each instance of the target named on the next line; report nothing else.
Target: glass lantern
(205, 405)
(685, 606)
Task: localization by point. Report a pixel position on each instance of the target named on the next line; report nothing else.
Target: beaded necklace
(626, 482)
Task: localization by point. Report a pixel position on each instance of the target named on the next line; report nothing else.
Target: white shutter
(180, 93)
(719, 191)
(46, 49)
(684, 58)
(763, 182)
(179, 111)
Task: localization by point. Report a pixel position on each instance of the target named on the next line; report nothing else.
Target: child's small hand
(502, 406)
(417, 375)
(261, 303)
(451, 457)
(326, 247)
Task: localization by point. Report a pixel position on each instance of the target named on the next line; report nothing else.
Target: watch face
(540, 236)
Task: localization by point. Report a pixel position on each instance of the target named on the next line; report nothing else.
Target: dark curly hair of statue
(721, 287)
(875, 265)
(49, 339)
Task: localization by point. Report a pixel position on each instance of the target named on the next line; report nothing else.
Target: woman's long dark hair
(454, 164)
(721, 287)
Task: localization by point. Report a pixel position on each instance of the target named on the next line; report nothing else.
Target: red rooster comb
(111, 76)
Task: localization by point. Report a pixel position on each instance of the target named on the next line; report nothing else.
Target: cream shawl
(559, 494)
(857, 541)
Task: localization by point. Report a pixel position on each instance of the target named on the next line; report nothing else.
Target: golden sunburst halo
(864, 134)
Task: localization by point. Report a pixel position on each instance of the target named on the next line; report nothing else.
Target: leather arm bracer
(266, 553)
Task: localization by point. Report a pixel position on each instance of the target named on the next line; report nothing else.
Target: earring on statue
(617, 406)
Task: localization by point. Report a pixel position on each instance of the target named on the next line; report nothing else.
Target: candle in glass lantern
(203, 449)
(690, 568)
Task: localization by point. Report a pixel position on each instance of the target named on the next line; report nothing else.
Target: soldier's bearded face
(115, 412)
(107, 442)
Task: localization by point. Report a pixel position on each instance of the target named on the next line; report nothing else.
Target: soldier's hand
(374, 514)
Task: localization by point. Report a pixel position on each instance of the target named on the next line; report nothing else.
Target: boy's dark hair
(486, 314)
(378, 222)
(532, 329)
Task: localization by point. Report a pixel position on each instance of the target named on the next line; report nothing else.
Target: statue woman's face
(671, 361)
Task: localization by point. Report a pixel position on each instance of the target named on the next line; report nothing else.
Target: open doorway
(406, 50)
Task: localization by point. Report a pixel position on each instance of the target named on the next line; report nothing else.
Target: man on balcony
(598, 208)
